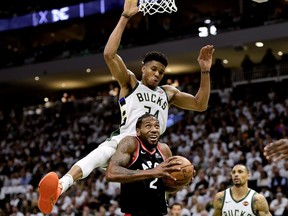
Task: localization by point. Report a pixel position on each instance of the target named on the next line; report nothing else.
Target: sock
(66, 181)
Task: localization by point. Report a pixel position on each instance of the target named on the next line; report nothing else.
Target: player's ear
(138, 131)
(143, 68)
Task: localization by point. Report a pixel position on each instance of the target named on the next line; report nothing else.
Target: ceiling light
(207, 21)
(259, 44)
(168, 69)
(260, 1)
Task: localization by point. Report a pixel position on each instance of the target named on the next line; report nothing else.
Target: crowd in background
(237, 125)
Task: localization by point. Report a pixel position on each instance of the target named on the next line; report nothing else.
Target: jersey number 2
(153, 184)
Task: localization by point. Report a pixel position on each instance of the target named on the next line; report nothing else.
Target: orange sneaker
(49, 192)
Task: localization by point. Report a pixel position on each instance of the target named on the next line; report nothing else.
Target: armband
(125, 15)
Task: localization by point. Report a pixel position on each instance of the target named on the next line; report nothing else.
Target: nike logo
(143, 152)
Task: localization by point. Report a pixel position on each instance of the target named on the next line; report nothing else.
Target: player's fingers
(173, 166)
(171, 158)
(172, 161)
(275, 149)
(171, 177)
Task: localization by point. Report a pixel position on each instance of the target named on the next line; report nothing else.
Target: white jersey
(141, 100)
(242, 207)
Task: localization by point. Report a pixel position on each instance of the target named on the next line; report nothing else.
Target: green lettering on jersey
(236, 212)
(152, 98)
(139, 96)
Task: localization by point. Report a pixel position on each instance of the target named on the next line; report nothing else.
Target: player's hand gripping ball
(184, 176)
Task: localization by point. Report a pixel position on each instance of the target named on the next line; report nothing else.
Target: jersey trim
(132, 90)
(136, 154)
(121, 101)
(252, 201)
(160, 151)
(231, 195)
(165, 94)
(223, 200)
(144, 147)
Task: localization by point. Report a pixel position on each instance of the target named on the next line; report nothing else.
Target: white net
(157, 6)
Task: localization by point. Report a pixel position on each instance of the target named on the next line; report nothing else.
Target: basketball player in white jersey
(239, 200)
(135, 99)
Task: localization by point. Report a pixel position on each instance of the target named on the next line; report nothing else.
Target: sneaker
(49, 192)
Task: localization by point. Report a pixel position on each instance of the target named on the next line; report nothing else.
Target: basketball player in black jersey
(139, 164)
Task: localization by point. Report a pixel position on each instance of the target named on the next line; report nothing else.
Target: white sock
(66, 181)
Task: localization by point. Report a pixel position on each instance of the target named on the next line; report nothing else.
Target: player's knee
(98, 158)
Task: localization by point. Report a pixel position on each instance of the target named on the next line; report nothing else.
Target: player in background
(239, 199)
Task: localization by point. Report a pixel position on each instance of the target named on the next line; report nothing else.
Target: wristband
(205, 72)
(126, 15)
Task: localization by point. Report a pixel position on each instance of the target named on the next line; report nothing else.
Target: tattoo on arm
(218, 201)
(260, 205)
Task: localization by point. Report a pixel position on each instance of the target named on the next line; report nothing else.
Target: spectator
(175, 209)
(278, 181)
(269, 62)
(247, 66)
(225, 95)
(217, 74)
(264, 181)
(236, 154)
(279, 205)
(201, 183)
(284, 171)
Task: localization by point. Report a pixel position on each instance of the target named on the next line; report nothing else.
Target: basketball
(184, 175)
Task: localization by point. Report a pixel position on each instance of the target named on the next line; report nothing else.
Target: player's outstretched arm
(199, 102)
(115, 63)
(277, 150)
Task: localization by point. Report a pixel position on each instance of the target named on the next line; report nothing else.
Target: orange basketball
(184, 175)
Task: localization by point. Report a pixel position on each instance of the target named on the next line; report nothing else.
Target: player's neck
(148, 86)
(239, 192)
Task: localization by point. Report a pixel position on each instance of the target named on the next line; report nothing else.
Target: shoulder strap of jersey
(136, 153)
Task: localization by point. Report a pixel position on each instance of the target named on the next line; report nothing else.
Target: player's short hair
(140, 119)
(156, 56)
(246, 168)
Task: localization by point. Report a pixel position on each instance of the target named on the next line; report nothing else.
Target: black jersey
(145, 197)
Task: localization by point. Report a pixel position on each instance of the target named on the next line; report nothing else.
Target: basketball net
(157, 6)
